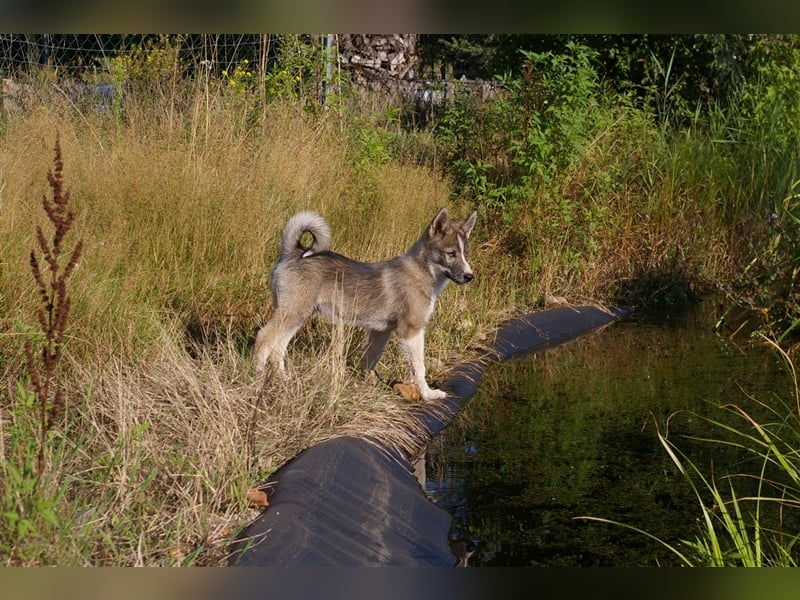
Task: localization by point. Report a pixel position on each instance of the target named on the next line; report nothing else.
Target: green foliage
(708, 68)
(502, 152)
(30, 500)
(475, 55)
(588, 142)
(765, 109)
(239, 81)
(373, 139)
(558, 94)
(760, 136)
(767, 284)
(144, 64)
(151, 66)
(298, 71)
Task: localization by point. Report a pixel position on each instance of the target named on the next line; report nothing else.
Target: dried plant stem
(55, 301)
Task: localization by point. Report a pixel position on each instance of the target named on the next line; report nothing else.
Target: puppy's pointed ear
(440, 223)
(466, 226)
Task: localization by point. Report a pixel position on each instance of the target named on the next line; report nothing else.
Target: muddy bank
(352, 502)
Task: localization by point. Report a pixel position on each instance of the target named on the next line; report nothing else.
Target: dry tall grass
(167, 425)
(179, 229)
(172, 445)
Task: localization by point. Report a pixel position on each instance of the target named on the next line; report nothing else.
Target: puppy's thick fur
(393, 296)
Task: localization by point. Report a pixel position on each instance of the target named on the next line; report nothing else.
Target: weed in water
(751, 520)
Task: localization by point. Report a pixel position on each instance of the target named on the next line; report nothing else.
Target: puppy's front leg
(414, 348)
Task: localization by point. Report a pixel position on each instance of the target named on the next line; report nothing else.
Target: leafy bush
(502, 152)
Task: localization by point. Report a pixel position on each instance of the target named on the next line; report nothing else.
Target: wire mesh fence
(82, 55)
(98, 71)
(101, 68)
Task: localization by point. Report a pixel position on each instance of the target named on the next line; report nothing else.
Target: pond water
(572, 432)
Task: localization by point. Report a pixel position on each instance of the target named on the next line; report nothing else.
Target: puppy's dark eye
(451, 254)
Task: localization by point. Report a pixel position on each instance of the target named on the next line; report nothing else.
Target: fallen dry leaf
(257, 498)
(409, 391)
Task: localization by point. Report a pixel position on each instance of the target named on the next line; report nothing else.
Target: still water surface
(572, 431)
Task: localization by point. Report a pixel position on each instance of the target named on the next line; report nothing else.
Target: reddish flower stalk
(55, 301)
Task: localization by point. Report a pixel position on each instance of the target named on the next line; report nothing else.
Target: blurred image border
(441, 16)
(392, 584)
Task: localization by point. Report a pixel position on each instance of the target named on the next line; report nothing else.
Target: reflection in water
(572, 431)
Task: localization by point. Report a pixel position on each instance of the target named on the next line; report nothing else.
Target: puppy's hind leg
(376, 342)
(271, 342)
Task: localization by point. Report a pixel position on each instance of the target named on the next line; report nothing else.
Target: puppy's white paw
(430, 394)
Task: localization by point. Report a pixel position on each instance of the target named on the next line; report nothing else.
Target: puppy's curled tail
(305, 222)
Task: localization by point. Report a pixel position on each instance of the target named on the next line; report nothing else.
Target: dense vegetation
(134, 429)
(608, 140)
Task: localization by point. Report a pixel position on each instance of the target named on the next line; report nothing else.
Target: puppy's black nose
(468, 277)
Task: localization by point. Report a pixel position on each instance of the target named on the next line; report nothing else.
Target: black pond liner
(350, 502)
